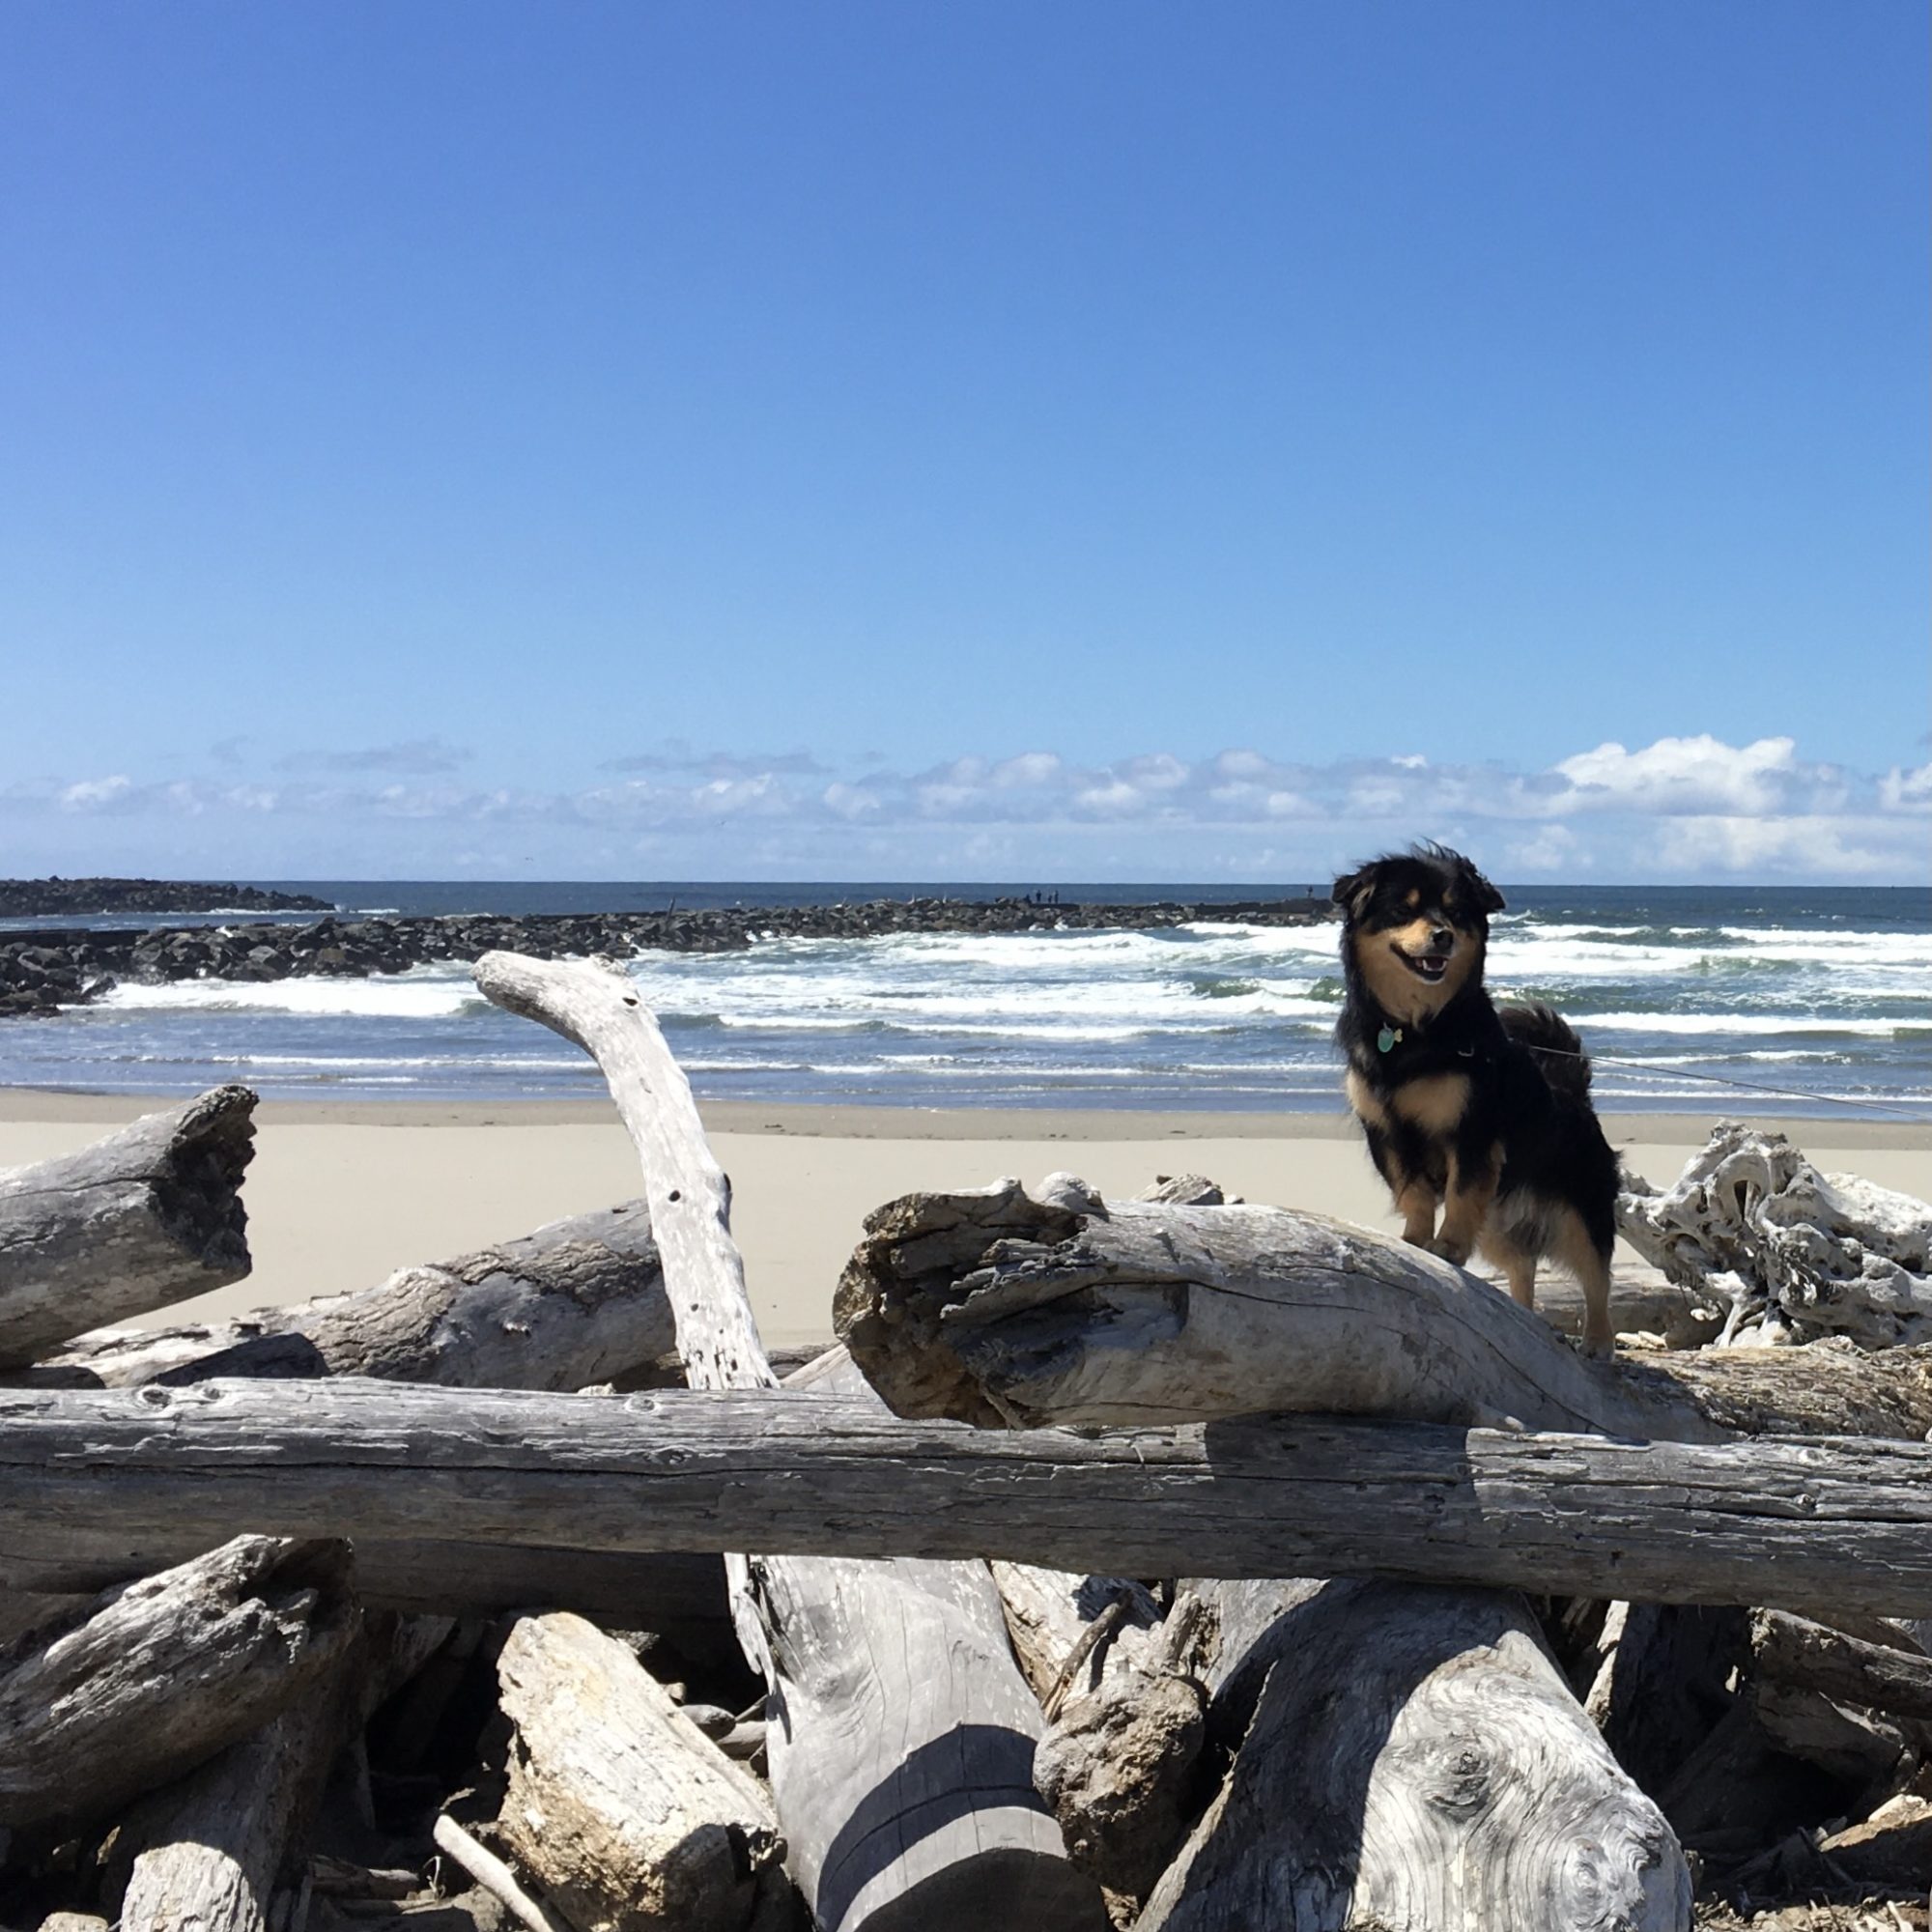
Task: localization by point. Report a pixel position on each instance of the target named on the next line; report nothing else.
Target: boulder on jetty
(43, 971)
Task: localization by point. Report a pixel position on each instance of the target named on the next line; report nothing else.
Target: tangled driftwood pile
(526, 1586)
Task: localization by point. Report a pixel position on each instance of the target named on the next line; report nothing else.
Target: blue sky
(1083, 440)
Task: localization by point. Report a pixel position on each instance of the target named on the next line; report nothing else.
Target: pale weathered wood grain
(628, 1816)
(1003, 1307)
(902, 1738)
(1781, 1523)
(1416, 1761)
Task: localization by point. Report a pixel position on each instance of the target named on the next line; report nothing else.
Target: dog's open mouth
(1429, 966)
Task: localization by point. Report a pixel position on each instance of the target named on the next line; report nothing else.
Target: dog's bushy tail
(1553, 1045)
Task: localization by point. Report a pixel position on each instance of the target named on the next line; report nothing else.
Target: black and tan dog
(1484, 1114)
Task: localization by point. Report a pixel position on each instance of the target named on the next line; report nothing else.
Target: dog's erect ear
(1485, 895)
(1354, 891)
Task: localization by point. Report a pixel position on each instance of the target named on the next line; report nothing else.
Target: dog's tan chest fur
(1361, 1098)
(1434, 1103)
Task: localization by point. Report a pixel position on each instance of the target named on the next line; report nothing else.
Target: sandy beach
(341, 1194)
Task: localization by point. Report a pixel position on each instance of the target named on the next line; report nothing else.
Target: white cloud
(1907, 791)
(1030, 768)
(1692, 808)
(853, 802)
(1751, 848)
(1701, 773)
(1549, 850)
(94, 794)
(1114, 800)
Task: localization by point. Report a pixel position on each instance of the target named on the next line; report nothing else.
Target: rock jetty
(74, 898)
(44, 970)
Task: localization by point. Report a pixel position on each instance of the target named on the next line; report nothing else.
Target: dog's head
(1416, 927)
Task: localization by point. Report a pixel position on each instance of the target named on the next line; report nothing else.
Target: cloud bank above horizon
(1694, 810)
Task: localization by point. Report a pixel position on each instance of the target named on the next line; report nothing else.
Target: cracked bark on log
(904, 1796)
(576, 1302)
(1792, 1650)
(217, 1845)
(150, 1216)
(997, 1307)
(165, 1673)
(628, 1816)
(1793, 1524)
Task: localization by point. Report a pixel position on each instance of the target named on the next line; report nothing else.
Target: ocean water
(1707, 1000)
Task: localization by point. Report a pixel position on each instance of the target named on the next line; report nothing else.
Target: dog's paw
(1450, 1250)
(1598, 1347)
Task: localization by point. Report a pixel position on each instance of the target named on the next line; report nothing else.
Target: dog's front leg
(1416, 1202)
(1472, 1187)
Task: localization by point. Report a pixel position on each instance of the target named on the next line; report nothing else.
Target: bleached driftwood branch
(1796, 1251)
(576, 1302)
(1791, 1523)
(1126, 1712)
(149, 1215)
(1000, 1307)
(899, 1764)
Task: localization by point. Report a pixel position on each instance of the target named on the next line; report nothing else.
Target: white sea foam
(1748, 1023)
(1192, 1015)
(404, 996)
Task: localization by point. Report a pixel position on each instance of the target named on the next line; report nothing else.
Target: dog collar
(1388, 1038)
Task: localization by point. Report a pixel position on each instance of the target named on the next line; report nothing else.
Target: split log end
(917, 1262)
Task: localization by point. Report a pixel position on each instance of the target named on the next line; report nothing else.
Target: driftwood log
(150, 1216)
(1412, 1759)
(904, 1792)
(576, 1302)
(1415, 1759)
(905, 1663)
(1795, 1651)
(675, 1592)
(1795, 1252)
(1001, 1308)
(217, 1843)
(165, 1673)
(1680, 1315)
(626, 1815)
(580, 1300)
(1804, 1525)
